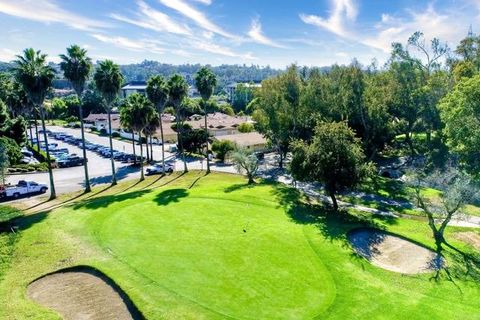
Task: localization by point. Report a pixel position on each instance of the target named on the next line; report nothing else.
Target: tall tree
(334, 158)
(178, 89)
(278, 110)
(157, 92)
(36, 77)
(108, 80)
(136, 111)
(460, 113)
(205, 81)
(76, 67)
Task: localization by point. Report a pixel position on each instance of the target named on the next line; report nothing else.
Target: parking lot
(72, 178)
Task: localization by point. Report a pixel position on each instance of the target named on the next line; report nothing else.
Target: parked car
(71, 161)
(23, 188)
(158, 168)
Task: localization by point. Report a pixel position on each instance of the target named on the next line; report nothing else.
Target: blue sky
(263, 32)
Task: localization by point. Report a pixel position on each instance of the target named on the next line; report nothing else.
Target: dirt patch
(470, 238)
(393, 253)
(82, 293)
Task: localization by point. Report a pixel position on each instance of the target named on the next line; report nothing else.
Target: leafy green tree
(108, 80)
(242, 97)
(178, 90)
(469, 50)
(245, 127)
(16, 130)
(193, 139)
(205, 81)
(380, 122)
(13, 150)
(137, 111)
(245, 162)
(457, 190)
(222, 148)
(76, 67)
(157, 93)
(36, 77)
(278, 112)
(460, 113)
(4, 117)
(334, 158)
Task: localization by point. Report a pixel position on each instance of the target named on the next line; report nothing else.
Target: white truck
(23, 188)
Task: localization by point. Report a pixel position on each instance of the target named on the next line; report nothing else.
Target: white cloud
(343, 11)
(395, 28)
(446, 27)
(48, 11)
(256, 35)
(217, 49)
(152, 19)
(205, 2)
(129, 44)
(197, 16)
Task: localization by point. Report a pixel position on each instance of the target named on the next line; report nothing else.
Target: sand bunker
(393, 253)
(82, 293)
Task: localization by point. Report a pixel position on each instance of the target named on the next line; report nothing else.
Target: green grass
(211, 247)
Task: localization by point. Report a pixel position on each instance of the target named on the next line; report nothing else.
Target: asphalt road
(72, 179)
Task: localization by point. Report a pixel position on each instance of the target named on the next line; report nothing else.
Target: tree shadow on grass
(166, 197)
(333, 225)
(23, 222)
(105, 201)
(463, 265)
(242, 186)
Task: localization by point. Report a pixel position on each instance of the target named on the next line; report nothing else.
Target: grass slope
(213, 248)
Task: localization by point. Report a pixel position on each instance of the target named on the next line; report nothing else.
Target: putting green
(233, 258)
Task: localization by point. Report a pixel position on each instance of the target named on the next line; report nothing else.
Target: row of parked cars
(101, 150)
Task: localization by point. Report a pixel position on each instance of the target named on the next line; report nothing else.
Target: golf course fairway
(212, 247)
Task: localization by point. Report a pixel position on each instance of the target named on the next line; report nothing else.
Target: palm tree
(205, 81)
(76, 67)
(137, 112)
(150, 130)
(178, 90)
(157, 92)
(36, 77)
(108, 79)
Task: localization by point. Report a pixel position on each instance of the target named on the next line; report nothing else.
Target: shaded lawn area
(398, 191)
(213, 247)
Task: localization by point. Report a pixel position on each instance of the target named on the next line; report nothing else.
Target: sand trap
(81, 294)
(393, 253)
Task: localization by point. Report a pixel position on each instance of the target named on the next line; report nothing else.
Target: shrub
(222, 148)
(14, 152)
(245, 127)
(115, 134)
(93, 129)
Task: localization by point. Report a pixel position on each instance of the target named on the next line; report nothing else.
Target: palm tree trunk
(31, 130)
(163, 144)
(114, 177)
(133, 146)
(142, 177)
(146, 147)
(36, 131)
(206, 136)
(85, 163)
(151, 148)
(53, 194)
(180, 142)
